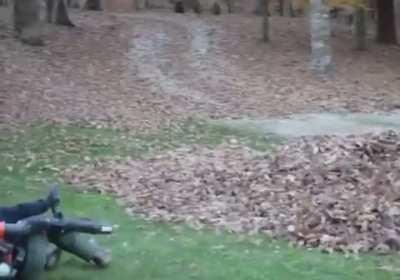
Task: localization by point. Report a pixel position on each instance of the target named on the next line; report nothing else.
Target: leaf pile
(335, 193)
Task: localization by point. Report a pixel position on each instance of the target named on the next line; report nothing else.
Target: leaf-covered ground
(146, 69)
(334, 193)
(144, 72)
(155, 251)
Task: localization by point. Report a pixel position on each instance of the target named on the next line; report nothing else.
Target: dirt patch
(335, 193)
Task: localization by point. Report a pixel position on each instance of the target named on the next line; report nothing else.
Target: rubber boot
(84, 247)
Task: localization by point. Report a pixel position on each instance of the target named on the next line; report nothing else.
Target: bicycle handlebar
(40, 224)
(57, 223)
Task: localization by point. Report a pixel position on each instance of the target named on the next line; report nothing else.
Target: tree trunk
(288, 8)
(386, 25)
(321, 53)
(230, 5)
(281, 8)
(94, 5)
(260, 8)
(73, 4)
(140, 4)
(57, 12)
(265, 26)
(361, 29)
(179, 8)
(27, 21)
(216, 9)
(372, 10)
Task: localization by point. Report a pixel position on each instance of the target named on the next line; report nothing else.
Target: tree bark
(196, 6)
(281, 7)
(321, 53)
(265, 27)
(73, 4)
(94, 5)
(216, 9)
(260, 8)
(361, 29)
(27, 21)
(230, 5)
(288, 8)
(57, 12)
(179, 8)
(386, 25)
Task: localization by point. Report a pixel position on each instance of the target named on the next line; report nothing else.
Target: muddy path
(222, 69)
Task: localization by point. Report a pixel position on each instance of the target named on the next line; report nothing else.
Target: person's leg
(23, 210)
(26, 210)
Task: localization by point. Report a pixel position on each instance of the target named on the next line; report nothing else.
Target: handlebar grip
(36, 225)
(87, 226)
(18, 229)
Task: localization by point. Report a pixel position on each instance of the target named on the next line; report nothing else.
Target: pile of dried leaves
(335, 193)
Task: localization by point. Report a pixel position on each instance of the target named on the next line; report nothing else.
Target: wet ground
(320, 124)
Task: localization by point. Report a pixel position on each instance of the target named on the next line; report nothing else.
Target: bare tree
(230, 4)
(281, 7)
(321, 53)
(260, 8)
(94, 5)
(265, 26)
(57, 12)
(27, 21)
(216, 9)
(360, 28)
(179, 8)
(386, 25)
(73, 4)
(288, 8)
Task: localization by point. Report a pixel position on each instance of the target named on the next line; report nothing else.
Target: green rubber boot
(84, 247)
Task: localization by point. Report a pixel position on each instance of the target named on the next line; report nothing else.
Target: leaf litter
(337, 193)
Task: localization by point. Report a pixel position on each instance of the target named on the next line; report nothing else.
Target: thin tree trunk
(230, 5)
(321, 53)
(265, 26)
(94, 5)
(386, 25)
(281, 8)
(361, 29)
(27, 21)
(73, 4)
(49, 10)
(260, 8)
(288, 8)
(179, 7)
(57, 12)
(216, 9)
(62, 17)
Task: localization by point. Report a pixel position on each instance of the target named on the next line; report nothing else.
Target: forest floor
(136, 106)
(140, 71)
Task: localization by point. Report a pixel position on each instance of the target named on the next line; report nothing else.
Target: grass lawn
(31, 159)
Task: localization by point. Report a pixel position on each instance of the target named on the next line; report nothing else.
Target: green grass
(142, 250)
